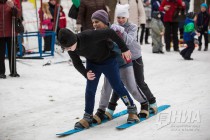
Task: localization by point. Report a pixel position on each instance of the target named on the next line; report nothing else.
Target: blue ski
(72, 131)
(127, 125)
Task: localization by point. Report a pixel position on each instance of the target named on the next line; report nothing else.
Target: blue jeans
(110, 69)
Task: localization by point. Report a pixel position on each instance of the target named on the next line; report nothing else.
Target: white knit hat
(122, 10)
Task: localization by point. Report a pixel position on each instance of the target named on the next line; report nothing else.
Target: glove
(117, 28)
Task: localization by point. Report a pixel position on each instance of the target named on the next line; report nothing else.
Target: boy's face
(203, 9)
(122, 20)
(97, 24)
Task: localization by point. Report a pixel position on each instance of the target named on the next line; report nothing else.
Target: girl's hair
(45, 9)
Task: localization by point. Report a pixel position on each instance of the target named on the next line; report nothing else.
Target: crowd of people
(112, 47)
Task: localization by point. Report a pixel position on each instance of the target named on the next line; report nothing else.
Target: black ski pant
(186, 53)
(146, 31)
(205, 34)
(7, 42)
(47, 42)
(171, 28)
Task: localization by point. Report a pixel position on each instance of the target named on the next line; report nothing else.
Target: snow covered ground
(47, 100)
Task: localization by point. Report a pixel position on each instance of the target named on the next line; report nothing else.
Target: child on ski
(157, 28)
(129, 31)
(190, 36)
(126, 74)
(202, 26)
(95, 45)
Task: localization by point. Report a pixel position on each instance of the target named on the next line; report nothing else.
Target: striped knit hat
(102, 16)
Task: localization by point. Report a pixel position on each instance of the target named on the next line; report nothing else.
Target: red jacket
(174, 4)
(6, 19)
(62, 20)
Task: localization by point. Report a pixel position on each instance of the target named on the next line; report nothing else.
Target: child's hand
(162, 33)
(167, 7)
(127, 55)
(197, 33)
(90, 75)
(117, 28)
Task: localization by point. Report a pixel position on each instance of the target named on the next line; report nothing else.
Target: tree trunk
(111, 5)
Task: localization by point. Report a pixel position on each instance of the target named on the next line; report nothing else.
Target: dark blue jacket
(189, 30)
(155, 7)
(203, 21)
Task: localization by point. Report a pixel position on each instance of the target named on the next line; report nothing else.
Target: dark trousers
(7, 41)
(171, 28)
(110, 69)
(205, 34)
(146, 31)
(47, 42)
(186, 53)
(139, 77)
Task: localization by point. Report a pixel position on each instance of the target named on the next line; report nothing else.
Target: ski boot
(86, 122)
(153, 108)
(109, 113)
(99, 116)
(132, 114)
(144, 113)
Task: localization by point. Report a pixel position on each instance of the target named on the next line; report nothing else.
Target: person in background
(62, 19)
(181, 23)
(190, 36)
(171, 26)
(8, 9)
(48, 39)
(147, 7)
(47, 23)
(155, 7)
(202, 26)
(158, 30)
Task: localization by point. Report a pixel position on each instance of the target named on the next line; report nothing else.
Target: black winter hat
(190, 15)
(66, 37)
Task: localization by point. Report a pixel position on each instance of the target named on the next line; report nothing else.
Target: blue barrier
(39, 35)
